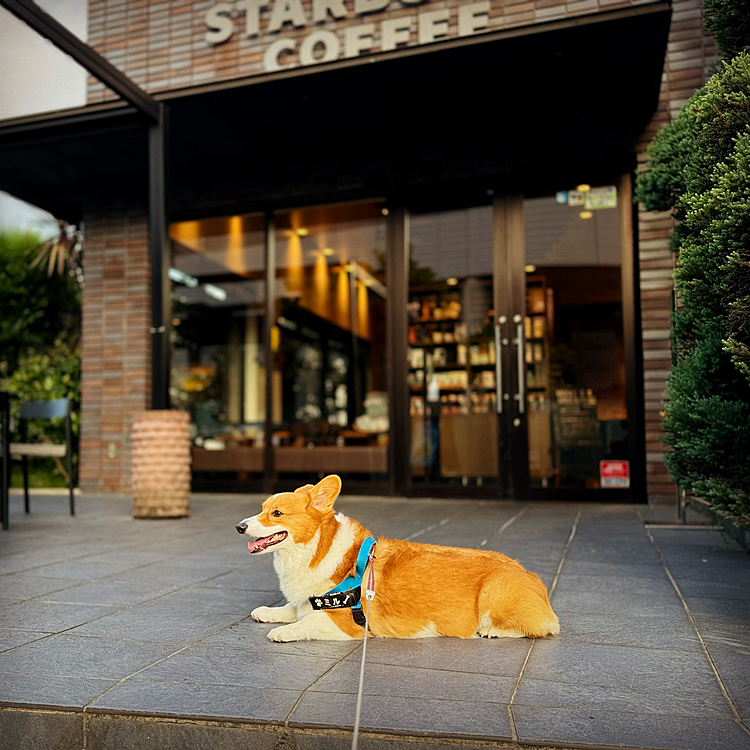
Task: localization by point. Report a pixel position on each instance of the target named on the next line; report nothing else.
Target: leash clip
(370, 590)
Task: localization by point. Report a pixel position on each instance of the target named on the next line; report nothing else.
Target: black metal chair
(25, 450)
(4, 456)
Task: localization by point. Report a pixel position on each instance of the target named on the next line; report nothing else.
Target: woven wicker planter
(161, 464)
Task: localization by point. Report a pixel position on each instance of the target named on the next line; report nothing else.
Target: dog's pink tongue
(256, 545)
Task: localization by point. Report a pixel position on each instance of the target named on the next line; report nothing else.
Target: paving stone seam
(310, 687)
(113, 579)
(127, 677)
(431, 527)
(26, 643)
(553, 585)
(87, 706)
(510, 521)
(735, 712)
(115, 610)
(158, 661)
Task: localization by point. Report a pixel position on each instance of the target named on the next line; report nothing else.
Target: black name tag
(340, 600)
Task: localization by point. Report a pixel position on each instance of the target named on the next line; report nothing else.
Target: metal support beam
(271, 338)
(159, 250)
(101, 68)
(44, 24)
(397, 281)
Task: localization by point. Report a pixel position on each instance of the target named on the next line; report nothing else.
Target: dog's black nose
(241, 527)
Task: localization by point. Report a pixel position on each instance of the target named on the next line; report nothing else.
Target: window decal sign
(614, 473)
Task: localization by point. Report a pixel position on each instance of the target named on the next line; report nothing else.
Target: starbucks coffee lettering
(268, 20)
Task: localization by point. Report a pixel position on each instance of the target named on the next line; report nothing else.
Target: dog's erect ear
(306, 488)
(325, 492)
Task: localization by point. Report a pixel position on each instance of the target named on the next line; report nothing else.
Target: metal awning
(523, 109)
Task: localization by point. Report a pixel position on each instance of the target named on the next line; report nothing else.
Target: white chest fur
(298, 581)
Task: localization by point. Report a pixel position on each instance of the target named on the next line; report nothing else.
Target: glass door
(574, 353)
(517, 345)
(452, 354)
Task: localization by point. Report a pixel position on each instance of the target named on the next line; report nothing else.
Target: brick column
(116, 348)
(691, 55)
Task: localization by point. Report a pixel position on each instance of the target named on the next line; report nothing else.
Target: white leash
(369, 595)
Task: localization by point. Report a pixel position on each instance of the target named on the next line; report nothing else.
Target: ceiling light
(302, 232)
(180, 277)
(452, 281)
(583, 188)
(529, 268)
(215, 291)
(586, 214)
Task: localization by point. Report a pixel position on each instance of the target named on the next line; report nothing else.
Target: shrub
(44, 376)
(34, 308)
(699, 166)
(729, 21)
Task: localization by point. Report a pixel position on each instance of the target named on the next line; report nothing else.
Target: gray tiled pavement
(116, 633)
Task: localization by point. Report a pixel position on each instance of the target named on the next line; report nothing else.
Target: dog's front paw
(284, 634)
(263, 614)
(274, 614)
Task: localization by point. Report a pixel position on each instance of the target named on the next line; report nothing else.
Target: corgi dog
(422, 590)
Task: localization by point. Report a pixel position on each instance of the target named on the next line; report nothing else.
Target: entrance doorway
(518, 379)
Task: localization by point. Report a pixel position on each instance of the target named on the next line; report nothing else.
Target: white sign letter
(395, 31)
(331, 47)
(357, 39)
(287, 10)
(370, 6)
(252, 15)
(433, 25)
(221, 25)
(473, 18)
(321, 8)
(273, 53)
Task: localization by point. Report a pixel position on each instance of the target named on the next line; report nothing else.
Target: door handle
(521, 396)
(499, 364)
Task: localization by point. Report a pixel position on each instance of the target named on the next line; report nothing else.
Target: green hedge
(699, 167)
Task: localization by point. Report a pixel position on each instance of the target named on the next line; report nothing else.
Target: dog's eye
(277, 513)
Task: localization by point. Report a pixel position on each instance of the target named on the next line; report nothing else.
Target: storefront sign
(591, 199)
(614, 473)
(267, 20)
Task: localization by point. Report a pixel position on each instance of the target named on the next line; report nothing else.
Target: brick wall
(691, 55)
(162, 45)
(116, 351)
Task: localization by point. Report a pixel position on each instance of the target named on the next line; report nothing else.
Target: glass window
(217, 369)
(330, 397)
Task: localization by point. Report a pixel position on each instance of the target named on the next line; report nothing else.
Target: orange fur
(421, 589)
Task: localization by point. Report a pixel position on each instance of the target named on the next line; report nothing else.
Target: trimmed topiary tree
(699, 166)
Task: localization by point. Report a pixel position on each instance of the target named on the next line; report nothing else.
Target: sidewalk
(119, 634)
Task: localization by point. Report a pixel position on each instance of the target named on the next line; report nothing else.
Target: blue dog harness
(348, 593)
